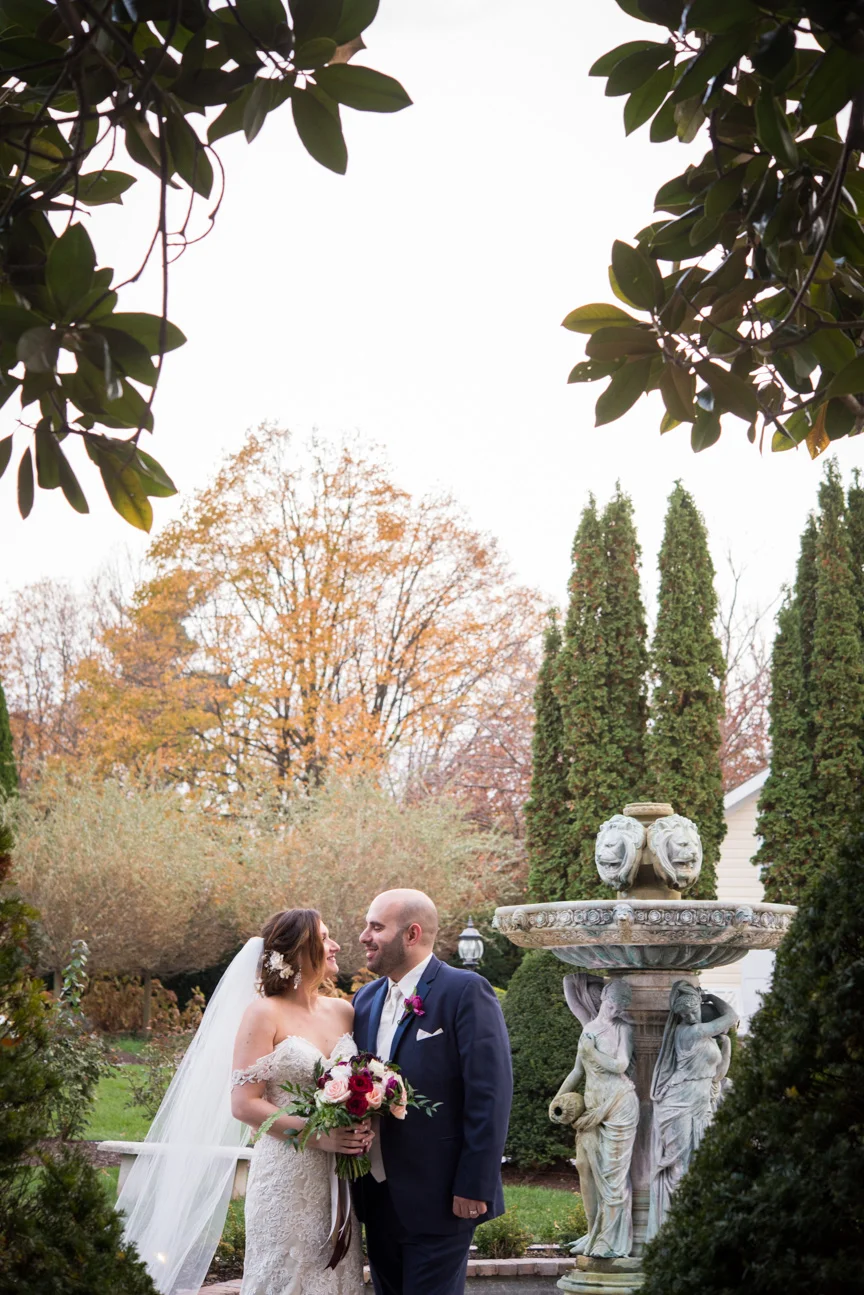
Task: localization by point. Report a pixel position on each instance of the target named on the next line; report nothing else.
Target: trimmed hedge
(544, 1035)
(774, 1199)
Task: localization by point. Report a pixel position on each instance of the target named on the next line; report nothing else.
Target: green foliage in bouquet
(772, 1200)
(745, 293)
(544, 1035)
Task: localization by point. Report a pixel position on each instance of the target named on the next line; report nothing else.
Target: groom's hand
(464, 1208)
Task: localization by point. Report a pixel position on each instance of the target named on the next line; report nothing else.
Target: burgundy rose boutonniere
(413, 1007)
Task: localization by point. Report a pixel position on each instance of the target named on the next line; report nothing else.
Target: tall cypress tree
(786, 822)
(683, 744)
(601, 683)
(855, 522)
(547, 813)
(836, 678)
(581, 687)
(625, 635)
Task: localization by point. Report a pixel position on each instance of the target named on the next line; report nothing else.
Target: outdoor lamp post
(470, 945)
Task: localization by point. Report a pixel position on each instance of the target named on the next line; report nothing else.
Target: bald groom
(433, 1180)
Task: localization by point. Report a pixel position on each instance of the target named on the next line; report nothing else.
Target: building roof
(749, 788)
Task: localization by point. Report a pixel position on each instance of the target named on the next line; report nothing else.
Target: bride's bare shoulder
(341, 1012)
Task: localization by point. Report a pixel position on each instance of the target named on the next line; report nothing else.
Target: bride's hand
(355, 1141)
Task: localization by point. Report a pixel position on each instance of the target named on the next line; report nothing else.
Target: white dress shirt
(391, 1014)
(394, 1006)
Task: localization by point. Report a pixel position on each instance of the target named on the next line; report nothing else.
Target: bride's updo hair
(288, 934)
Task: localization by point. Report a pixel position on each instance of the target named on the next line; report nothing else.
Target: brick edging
(476, 1268)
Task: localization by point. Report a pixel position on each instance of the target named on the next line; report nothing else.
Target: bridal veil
(176, 1196)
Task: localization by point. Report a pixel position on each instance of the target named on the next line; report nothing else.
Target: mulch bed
(90, 1150)
(560, 1175)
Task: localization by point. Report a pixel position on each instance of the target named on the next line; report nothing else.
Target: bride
(298, 1216)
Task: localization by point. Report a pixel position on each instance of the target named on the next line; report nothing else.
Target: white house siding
(741, 983)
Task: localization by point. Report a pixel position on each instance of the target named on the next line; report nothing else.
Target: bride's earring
(297, 979)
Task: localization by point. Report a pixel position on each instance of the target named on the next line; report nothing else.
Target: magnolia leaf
(25, 484)
(362, 88)
(849, 381)
(647, 98)
(47, 457)
(607, 62)
(587, 319)
(637, 275)
(356, 16)
(772, 129)
(833, 82)
(705, 431)
(627, 385)
(637, 68)
(5, 453)
(69, 268)
(594, 370)
(732, 392)
(320, 131)
(611, 343)
(817, 439)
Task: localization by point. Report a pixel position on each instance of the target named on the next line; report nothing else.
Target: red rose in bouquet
(356, 1104)
(361, 1082)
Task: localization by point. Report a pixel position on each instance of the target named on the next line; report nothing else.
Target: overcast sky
(419, 299)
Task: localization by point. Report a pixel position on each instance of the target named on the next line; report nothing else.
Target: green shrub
(544, 1036)
(231, 1251)
(58, 1233)
(149, 1078)
(502, 1238)
(773, 1199)
(77, 1055)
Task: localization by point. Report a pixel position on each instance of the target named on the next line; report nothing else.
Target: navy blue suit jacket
(457, 1151)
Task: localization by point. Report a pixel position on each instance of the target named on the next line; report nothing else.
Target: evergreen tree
(624, 635)
(855, 522)
(836, 679)
(772, 1200)
(806, 597)
(601, 683)
(544, 1036)
(687, 703)
(581, 685)
(786, 821)
(547, 815)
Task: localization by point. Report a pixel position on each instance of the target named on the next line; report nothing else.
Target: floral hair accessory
(276, 962)
(413, 1006)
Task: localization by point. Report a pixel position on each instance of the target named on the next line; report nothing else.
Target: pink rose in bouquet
(345, 1095)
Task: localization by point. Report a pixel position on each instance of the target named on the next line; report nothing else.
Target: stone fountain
(671, 1041)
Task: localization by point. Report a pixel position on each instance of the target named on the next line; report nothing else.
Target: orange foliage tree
(305, 616)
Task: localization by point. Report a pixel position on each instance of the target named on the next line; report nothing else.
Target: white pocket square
(424, 1034)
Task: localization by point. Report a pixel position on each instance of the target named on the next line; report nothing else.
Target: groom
(433, 1179)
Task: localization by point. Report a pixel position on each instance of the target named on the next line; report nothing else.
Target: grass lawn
(126, 1043)
(114, 1118)
(549, 1215)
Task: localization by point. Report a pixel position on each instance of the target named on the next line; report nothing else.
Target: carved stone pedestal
(603, 1276)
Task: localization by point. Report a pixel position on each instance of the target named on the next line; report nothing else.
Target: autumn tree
(8, 787)
(140, 873)
(745, 746)
(305, 615)
(688, 667)
(547, 813)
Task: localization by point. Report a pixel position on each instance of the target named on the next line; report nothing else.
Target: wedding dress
(289, 1194)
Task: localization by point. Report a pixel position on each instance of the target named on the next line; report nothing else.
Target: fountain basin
(646, 934)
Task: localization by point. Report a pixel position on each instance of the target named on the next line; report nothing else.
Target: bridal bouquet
(345, 1095)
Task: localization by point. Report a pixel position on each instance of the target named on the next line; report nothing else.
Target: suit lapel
(375, 1011)
(422, 989)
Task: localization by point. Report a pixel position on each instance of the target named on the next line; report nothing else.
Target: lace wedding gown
(288, 1197)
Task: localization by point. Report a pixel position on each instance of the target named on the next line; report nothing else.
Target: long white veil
(175, 1199)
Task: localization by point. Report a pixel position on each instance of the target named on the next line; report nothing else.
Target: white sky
(419, 300)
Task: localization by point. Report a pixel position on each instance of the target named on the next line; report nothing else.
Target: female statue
(686, 1085)
(606, 1131)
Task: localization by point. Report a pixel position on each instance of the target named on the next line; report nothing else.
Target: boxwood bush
(544, 1036)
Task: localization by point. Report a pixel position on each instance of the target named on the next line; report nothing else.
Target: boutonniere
(413, 1007)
